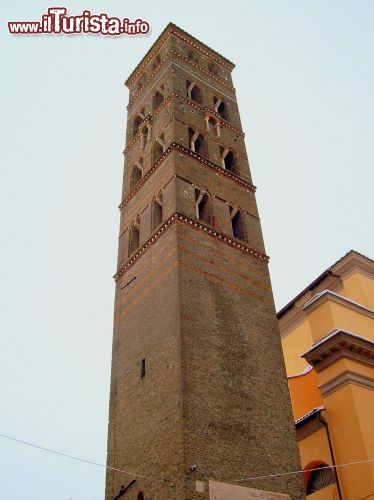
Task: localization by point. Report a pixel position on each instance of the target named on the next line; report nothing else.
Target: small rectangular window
(142, 369)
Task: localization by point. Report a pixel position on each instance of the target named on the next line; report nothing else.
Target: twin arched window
(157, 218)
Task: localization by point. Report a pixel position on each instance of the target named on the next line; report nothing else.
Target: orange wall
(304, 393)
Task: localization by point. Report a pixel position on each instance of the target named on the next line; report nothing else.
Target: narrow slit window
(134, 236)
(142, 370)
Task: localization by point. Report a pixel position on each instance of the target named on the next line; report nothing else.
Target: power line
(140, 475)
(69, 456)
(302, 471)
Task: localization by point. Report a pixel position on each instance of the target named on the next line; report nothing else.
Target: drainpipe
(325, 424)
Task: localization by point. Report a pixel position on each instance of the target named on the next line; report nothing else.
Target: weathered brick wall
(200, 310)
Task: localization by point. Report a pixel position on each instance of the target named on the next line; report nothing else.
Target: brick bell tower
(198, 385)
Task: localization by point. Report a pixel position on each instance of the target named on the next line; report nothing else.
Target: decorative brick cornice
(339, 344)
(173, 52)
(203, 70)
(199, 226)
(186, 38)
(201, 159)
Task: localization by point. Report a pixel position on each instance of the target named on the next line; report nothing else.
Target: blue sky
(304, 81)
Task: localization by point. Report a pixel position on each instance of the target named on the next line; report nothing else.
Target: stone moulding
(347, 377)
(201, 159)
(182, 219)
(339, 344)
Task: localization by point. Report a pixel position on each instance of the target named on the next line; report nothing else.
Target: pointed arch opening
(134, 236)
(136, 173)
(156, 62)
(157, 212)
(203, 207)
(137, 122)
(193, 92)
(221, 108)
(192, 56)
(213, 68)
(142, 80)
(196, 141)
(212, 125)
(228, 160)
(237, 224)
(157, 100)
(158, 148)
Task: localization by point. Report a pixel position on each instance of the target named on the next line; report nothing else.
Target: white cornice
(321, 297)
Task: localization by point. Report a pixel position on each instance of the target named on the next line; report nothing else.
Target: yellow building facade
(328, 342)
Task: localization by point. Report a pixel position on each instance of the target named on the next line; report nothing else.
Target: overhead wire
(251, 478)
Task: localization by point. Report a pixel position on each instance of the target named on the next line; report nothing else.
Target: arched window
(136, 173)
(221, 108)
(157, 215)
(213, 68)
(212, 124)
(320, 478)
(203, 211)
(157, 100)
(237, 224)
(137, 122)
(191, 54)
(156, 62)
(158, 148)
(228, 160)
(140, 495)
(142, 80)
(193, 92)
(196, 141)
(134, 236)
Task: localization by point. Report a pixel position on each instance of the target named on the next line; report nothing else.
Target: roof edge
(314, 283)
(170, 27)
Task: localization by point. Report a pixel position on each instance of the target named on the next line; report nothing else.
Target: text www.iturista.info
(56, 22)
